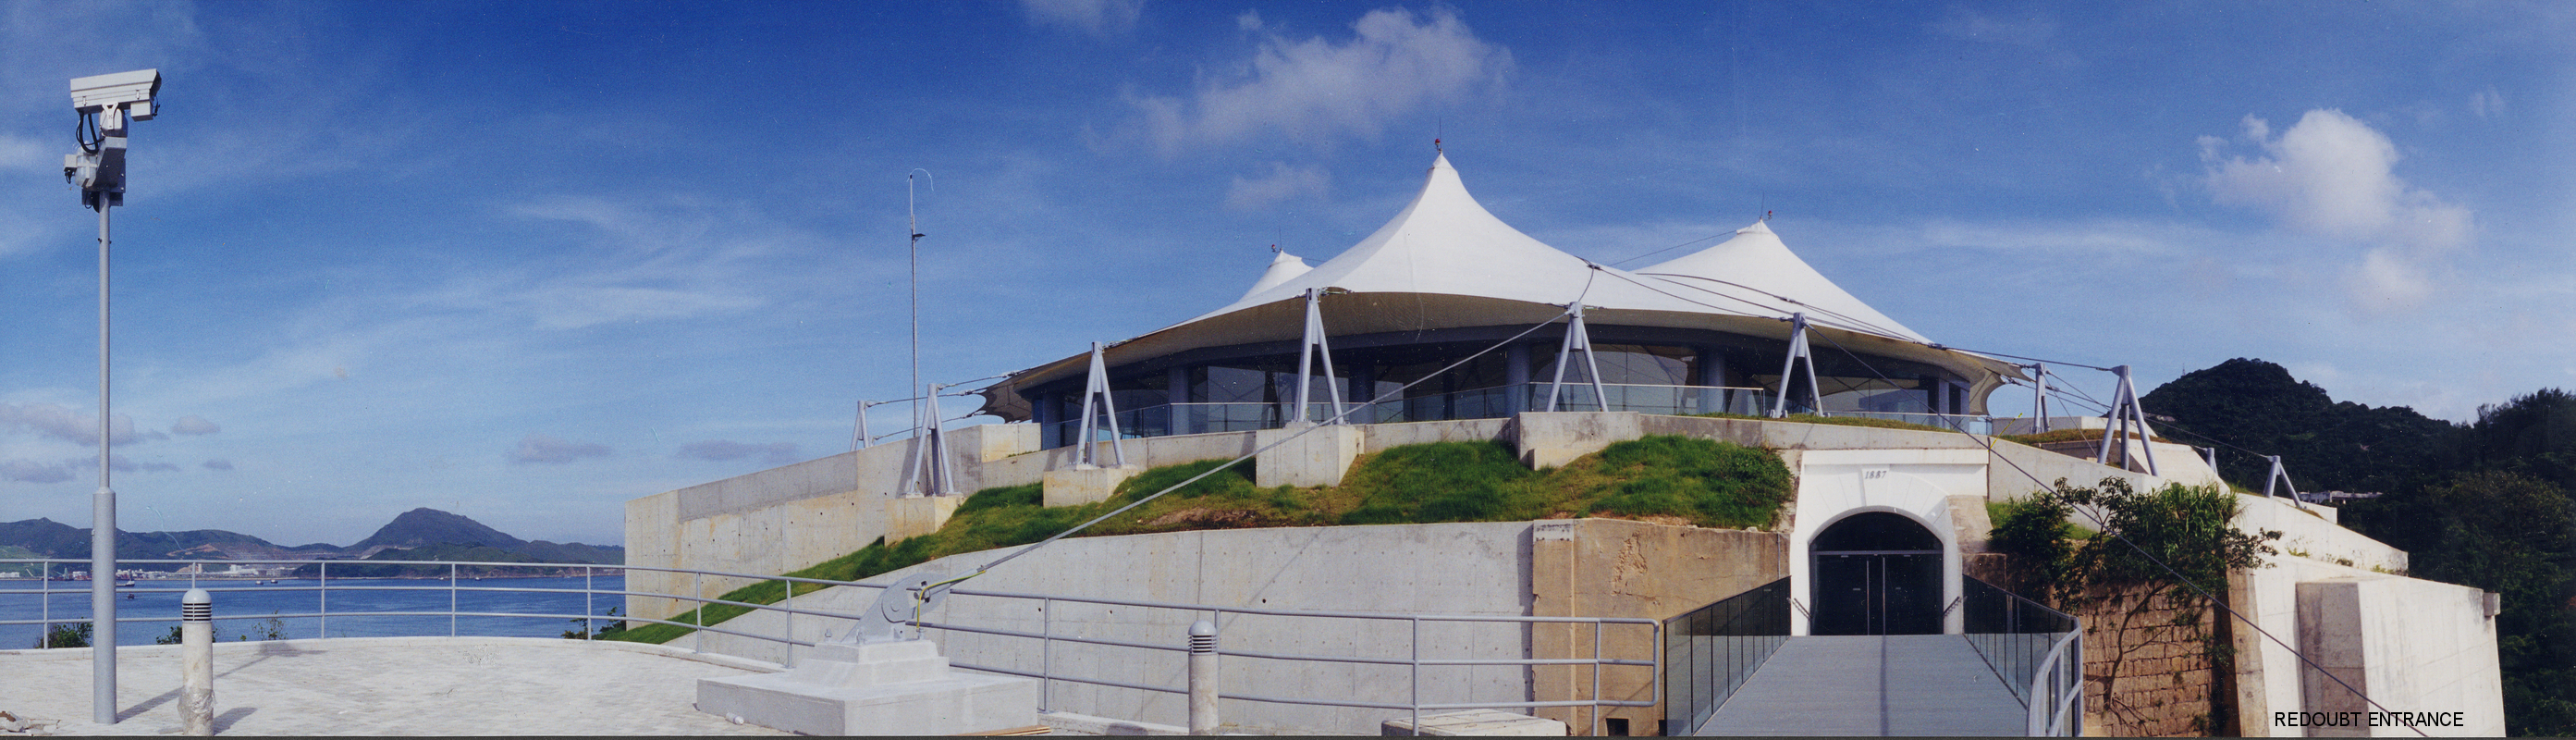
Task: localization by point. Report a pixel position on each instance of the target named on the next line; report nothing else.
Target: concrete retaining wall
(2311, 535)
(1618, 568)
(2412, 645)
(1455, 569)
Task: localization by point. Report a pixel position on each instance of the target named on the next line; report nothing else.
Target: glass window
(1624, 364)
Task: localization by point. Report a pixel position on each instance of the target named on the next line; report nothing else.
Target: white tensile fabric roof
(1446, 262)
(1283, 268)
(1755, 268)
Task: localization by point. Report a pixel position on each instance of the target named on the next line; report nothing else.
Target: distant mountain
(448, 534)
(425, 526)
(2247, 407)
(53, 539)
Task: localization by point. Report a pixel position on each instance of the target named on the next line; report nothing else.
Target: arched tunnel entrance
(1876, 573)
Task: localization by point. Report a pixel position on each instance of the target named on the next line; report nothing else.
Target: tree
(2514, 535)
(2325, 444)
(2163, 552)
(66, 636)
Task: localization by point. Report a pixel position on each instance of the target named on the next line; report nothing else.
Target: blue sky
(527, 261)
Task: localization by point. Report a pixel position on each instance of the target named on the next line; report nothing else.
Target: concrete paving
(1909, 685)
(390, 686)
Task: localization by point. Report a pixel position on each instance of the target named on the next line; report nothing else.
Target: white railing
(1046, 638)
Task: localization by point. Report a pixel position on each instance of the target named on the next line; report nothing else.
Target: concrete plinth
(918, 515)
(1317, 459)
(1475, 722)
(1082, 485)
(886, 688)
(1551, 439)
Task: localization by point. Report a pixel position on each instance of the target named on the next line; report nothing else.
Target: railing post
(589, 606)
(698, 637)
(1046, 655)
(1596, 678)
(324, 605)
(1416, 667)
(45, 603)
(1203, 678)
(789, 602)
(451, 599)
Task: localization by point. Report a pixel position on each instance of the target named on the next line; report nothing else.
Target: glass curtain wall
(1249, 393)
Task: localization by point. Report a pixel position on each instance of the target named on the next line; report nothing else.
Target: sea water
(247, 609)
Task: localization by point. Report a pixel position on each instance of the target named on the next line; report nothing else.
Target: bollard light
(197, 662)
(1203, 678)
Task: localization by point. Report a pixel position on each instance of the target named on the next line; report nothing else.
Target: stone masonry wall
(2145, 676)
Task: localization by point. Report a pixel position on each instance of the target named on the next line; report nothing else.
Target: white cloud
(1316, 89)
(2334, 176)
(1963, 23)
(551, 450)
(1095, 17)
(193, 424)
(60, 422)
(774, 453)
(1283, 182)
(30, 471)
(20, 152)
(2487, 103)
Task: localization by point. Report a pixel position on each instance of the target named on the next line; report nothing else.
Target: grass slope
(1662, 478)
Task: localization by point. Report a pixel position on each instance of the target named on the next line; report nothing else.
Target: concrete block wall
(768, 522)
(1619, 568)
(2307, 530)
(1457, 569)
(2412, 645)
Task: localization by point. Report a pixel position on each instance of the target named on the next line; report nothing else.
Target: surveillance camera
(131, 91)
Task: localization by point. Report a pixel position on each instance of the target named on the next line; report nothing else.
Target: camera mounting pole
(106, 103)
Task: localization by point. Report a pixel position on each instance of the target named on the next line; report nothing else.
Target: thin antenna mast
(912, 225)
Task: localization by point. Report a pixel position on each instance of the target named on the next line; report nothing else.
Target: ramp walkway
(1872, 686)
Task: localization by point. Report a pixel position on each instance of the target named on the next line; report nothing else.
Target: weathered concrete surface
(2411, 645)
(1149, 452)
(1552, 439)
(1381, 436)
(913, 516)
(1787, 435)
(885, 688)
(2415, 645)
(391, 686)
(1459, 569)
(1619, 568)
(2305, 532)
(1077, 486)
(1475, 722)
(1306, 456)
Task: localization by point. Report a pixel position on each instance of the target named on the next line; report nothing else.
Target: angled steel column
(2119, 421)
(1097, 388)
(1798, 355)
(1313, 344)
(1577, 338)
(2039, 394)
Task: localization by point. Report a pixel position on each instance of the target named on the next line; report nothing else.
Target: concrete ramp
(1872, 686)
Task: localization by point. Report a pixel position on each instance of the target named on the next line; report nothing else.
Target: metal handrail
(1047, 635)
(2054, 684)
